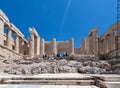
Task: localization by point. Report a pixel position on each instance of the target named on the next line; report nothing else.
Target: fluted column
(1, 32)
(9, 38)
(71, 46)
(17, 43)
(107, 45)
(42, 46)
(38, 46)
(112, 41)
(54, 46)
(31, 48)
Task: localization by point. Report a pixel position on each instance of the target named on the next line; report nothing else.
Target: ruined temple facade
(13, 43)
(95, 44)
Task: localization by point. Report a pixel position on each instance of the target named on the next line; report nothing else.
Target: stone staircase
(51, 79)
(60, 80)
(108, 81)
(51, 82)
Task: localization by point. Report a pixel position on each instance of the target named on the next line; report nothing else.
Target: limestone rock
(105, 65)
(62, 62)
(117, 66)
(93, 70)
(85, 63)
(36, 70)
(83, 69)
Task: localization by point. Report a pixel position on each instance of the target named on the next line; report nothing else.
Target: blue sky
(62, 19)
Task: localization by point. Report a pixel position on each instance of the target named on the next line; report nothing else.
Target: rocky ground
(71, 64)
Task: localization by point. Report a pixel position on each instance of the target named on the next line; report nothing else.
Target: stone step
(51, 82)
(109, 78)
(108, 81)
(111, 84)
(46, 86)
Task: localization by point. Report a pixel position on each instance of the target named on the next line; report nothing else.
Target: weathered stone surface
(35, 70)
(62, 62)
(45, 86)
(93, 70)
(83, 69)
(105, 65)
(64, 65)
(85, 63)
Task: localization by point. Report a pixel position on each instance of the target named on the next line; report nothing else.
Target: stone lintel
(62, 41)
(3, 16)
(16, 30)
(93, 30)
(33, 31)
(110, 30)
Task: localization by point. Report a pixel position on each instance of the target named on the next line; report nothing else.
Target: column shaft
(38, 46)
(9, 39)
(42, 47)
(31, 48)
(54, 46)
(17, 43)
(71, 46)
(1, 32)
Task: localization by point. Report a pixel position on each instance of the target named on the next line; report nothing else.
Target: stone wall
(12, 41)
(54, 47)
(107, 41)
(9, 54)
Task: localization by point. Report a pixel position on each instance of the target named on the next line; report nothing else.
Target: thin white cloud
(65, 14)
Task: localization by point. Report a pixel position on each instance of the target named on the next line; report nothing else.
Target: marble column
(54, 46)
(1, 32)
(42, 46)
(38, 46)
(9, 38)
(71, 46)
(112, 41)
(90, 44)
(107, 45)
(31, 47)
(94, 43)
(17, 43)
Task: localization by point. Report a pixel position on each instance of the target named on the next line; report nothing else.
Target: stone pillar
(54, 46)
(38, 46)
(90, 44)
(95, 42)
(113, 40)
(1, 32)
(31, 47)
(9, 38)
(87, 45)
(17, 43)
(42, 47)
(71, 46)
(107, 45)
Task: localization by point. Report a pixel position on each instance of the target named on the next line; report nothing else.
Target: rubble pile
(70, 64)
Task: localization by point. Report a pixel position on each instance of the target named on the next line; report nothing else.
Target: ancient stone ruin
(35, 56)
(12, 41)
